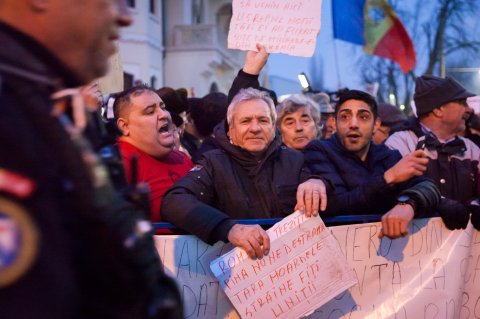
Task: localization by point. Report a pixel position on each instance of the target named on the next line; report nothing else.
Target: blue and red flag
(374, 24)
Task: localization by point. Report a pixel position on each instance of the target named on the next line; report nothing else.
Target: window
(153, 7)
(153, 82)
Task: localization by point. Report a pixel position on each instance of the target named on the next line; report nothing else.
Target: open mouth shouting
(165, 128)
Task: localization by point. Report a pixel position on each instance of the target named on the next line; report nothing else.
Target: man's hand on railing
(395, 221)
(252, 238)
(311, 195)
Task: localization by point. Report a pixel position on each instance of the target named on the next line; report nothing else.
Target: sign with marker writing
(304, 269)
(431, 273)
(282, 26)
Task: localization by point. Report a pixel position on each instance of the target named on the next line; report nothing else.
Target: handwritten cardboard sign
(283, 26)
(431, 273)
(304, 270)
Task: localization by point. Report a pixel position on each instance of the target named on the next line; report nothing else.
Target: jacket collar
(30, 60)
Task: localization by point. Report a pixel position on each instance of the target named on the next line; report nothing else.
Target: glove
(475, 218)
(454, 214)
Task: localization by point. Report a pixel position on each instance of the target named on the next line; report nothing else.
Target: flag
(348, 20)
(374, 24)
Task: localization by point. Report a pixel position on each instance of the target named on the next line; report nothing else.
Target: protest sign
(303, 270)
(431, 273)
(283, 26)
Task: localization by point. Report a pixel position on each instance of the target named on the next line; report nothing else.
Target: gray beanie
(432, 92)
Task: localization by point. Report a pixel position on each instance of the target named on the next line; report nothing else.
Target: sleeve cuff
(248, 75)
(221, 231)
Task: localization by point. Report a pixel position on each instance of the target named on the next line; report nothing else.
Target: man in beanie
(453, 166)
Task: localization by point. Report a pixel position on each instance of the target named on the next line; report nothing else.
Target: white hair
(247, 95)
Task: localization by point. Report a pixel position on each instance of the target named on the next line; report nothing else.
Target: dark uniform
(70, 247)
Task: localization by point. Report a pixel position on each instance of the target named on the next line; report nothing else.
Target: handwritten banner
(304, 269)
(283, 26)
(431, 273)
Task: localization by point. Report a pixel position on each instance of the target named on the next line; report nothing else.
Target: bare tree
(437, 37)
(446, 33)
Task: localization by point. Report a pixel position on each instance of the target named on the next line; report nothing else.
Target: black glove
(454, 214)
(475, 218)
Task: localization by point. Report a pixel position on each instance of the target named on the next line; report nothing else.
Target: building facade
(180, 43)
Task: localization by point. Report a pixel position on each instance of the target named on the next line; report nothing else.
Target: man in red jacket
(147, 133)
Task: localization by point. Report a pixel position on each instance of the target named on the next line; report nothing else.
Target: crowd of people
(201, 164)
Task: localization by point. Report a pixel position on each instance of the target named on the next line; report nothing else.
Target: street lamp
(304, 82)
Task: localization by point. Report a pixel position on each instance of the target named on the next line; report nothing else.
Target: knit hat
(432, 92)
(390, 115)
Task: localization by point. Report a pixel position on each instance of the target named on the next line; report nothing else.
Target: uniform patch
(18, 242)
(15, 184)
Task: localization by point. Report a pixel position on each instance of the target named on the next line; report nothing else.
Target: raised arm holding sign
(283, 26)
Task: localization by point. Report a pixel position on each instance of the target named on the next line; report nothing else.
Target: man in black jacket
(70, 247)
(370, 178)
(250, 176)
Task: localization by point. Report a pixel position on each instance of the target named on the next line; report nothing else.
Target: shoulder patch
(18, 242)
(16, 184)
(196, 168)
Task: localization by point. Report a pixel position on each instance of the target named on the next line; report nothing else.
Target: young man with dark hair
(369, 178)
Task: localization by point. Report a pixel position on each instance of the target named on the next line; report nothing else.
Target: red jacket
(159, 175)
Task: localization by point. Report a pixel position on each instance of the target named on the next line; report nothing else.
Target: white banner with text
(431, 273)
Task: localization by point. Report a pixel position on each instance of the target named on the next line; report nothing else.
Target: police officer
(70, 247)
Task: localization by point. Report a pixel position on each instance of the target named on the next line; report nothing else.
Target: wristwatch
(406, 200)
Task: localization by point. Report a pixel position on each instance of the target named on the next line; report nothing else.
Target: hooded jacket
(231, 183)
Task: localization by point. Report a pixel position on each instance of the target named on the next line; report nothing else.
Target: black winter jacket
(230, 183)
(359, 187)
(453, 167)
(82, 267)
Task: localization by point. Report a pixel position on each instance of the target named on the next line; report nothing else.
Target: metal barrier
(267, 222)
